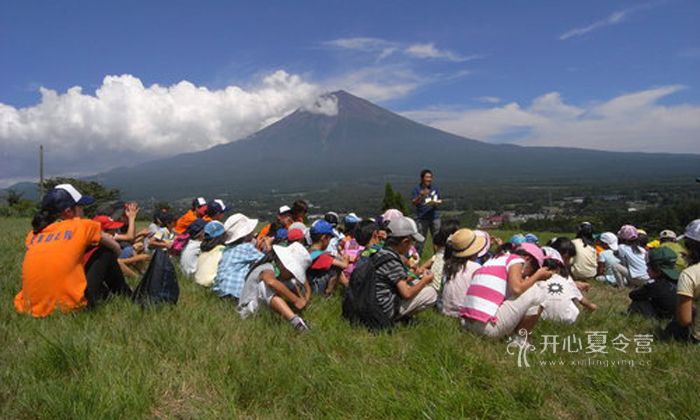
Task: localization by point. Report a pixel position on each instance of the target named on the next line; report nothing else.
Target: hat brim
(112, 225)
(671, 273)
(290, 263)
(85, 200)
(247, 227)
(473, 249)
(613, 247)
(418, 237)
(487, 245)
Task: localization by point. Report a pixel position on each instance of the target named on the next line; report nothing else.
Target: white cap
(692, 231)
(609, 239)
(75, 194)
(404, 226)
(284, 209)
(667, 234)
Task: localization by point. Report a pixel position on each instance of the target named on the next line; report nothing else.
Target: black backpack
(360, 299)
(159, 284)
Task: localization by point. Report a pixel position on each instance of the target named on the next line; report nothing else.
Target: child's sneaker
(299, 324)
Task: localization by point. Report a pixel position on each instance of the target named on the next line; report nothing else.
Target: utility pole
(41, 171)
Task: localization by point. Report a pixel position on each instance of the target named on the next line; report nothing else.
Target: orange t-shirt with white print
(53, 275)
(186, 220)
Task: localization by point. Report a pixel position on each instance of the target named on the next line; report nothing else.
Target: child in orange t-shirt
(53, 275)
(198, 210)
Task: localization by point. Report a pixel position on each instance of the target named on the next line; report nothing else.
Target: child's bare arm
(341, 263)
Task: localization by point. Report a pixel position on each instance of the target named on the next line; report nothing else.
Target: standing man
(426, 199)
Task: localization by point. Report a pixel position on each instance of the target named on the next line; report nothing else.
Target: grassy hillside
(199, 360)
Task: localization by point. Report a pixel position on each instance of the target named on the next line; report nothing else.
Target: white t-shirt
(636, 262)
(207, 266)
(559, 305)
(188, 258)
(454, 291)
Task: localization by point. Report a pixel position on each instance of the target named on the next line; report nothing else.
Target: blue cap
(196, 227)
(281, 233)
(214, 229)
(531, 238)
(352, 219)
(216, 206)
(321, 227)
(64, 196)
(517, 239)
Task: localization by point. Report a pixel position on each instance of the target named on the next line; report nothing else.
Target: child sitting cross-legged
(240, 253)
(211, 249)
(463, 248)
(562, 293)
(276, 282)
(325, 270)
(506, 294)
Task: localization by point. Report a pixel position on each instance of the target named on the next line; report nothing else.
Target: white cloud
(383, 48)
(125, 122)
(378, 83)
(629, 122)
(610, 20)
(429, 51)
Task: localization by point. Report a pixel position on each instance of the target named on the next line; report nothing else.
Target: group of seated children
(496, 289)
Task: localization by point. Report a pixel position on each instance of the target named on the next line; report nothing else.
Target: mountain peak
(343, 138)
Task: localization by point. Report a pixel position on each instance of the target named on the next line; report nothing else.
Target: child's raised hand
(131, 210)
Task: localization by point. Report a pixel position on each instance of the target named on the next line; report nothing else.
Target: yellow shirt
(689, 285)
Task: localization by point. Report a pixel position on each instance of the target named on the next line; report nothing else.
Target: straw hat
(466, 243)
(294, 258)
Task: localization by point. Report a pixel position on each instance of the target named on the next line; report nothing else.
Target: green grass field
(199, 360)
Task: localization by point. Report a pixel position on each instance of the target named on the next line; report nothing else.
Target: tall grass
(199, 360)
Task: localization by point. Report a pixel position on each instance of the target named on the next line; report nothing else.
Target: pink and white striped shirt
(488, 287)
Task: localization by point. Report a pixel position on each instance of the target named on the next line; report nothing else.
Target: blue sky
(526, 72)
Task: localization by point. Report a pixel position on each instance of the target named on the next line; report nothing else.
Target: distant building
(493, 221)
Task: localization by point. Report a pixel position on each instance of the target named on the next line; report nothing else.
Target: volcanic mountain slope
(364, 141)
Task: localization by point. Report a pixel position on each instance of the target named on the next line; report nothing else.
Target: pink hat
(534, 251)
(391, 214)
(487, 245)
(295, 234)
(628, 233)
(552, 254)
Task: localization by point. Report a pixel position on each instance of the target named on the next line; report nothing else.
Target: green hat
(664, 259)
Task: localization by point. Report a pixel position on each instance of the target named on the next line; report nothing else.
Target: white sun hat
(239, 226)
(294, 258)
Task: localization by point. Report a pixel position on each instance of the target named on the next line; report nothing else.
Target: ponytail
(42, 219)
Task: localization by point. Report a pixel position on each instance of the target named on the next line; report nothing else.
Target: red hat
(295, 235)
(107, 223)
